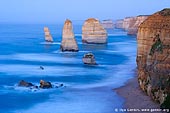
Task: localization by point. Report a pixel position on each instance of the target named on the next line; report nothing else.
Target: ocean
(87, 89)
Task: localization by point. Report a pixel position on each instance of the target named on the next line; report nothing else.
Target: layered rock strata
(107, 24)
(48, 36)
(68, 39)
(153, 57)
(93, 32)
(132, 30)
(131, 24)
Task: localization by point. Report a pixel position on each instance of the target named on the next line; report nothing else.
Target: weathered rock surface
(131, 24)
(68, 39)
(45, 85)
(23, 83)
(107, 24)
(153, 57)
(89, 59)
(48, 36)
(132, 30)
(93, 32)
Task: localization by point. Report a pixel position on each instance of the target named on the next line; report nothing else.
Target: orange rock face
(107, 24)
(153, 56)
(93, 32)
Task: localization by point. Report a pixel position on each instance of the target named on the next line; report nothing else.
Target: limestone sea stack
(119, 24)
(93, 32)
(48, 36)
(68, 39)
(153, 57)
(107, 24)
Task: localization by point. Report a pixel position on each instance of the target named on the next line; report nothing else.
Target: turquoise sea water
(89, 89)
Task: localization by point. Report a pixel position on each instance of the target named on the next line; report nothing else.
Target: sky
(56, 11)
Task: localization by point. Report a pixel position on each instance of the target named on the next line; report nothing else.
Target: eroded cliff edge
(153, 57)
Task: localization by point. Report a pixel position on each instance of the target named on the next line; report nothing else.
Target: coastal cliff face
(132, 30)
(93, 32)
(107, 24)
(68, 39)
(131, 24)
(153, 57)
(48, 36)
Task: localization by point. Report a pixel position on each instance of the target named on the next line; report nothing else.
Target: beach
(136, 99)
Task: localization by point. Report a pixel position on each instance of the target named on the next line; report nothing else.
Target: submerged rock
(93, 32)
(89, 59)
(45, 85)
(68, 39)
(48, 36)
(23, 83)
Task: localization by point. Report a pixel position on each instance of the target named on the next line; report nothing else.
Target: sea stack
(93, 32)
(153, 57)
(48, 36)
(68, 39)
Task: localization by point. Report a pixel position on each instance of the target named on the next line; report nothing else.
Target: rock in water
(93, 32)
(45, 85)
(89, 59)
(153, 56)
(68, 39)
(23, 83)
(48, 36)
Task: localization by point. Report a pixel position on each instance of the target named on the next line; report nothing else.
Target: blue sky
(55, 11)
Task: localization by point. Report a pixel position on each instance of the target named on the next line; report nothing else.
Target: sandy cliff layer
(153, 57)
(68, 39)
(93, 32)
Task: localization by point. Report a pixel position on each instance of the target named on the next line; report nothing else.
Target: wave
(50, 43)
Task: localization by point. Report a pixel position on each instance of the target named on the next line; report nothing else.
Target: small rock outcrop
(89, 59)
(68, 39)
(93, 32)
(107, 24)
(23, 83)
(48, 36)
(153, 57)
(45, 85)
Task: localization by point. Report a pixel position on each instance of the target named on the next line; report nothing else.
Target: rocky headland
(93, 32)
(153, 57)
(68, 39)
(131, 24)
(107, 24)
(48, 36)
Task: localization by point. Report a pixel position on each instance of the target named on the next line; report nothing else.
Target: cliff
(153, 57)
(130, 24)
(107, 24)
(93, 32)
(48, 36)
(68, 39)
(132, 30)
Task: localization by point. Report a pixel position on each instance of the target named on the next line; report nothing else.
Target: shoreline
(135, 98)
